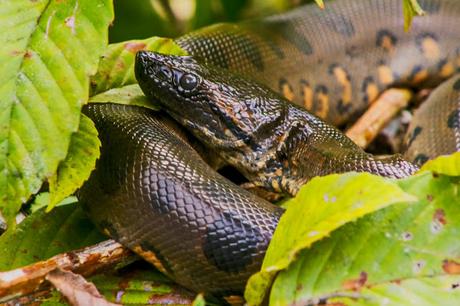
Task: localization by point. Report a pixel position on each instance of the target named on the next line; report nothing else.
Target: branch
(86, 261)
(378, 115)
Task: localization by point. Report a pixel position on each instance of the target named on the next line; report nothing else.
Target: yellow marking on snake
(276, 185)
(385, 74)
(307, 94)
(343, 79)
(430, 49)
(234, 300)
(372, 92)
(323, 100)
(387, 44)
(447, 70)
(228, 132)
(150, 257)
(284, 181)
(287, 91)
(421, 76)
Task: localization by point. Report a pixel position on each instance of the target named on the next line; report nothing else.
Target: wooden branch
(378, 115)
(86, 261)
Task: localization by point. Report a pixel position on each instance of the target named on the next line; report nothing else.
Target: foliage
(78, 164)
(411, 8)
(141, 285)
(320, 207)
(116, 69)
(129, 94)
(408, 247)
(44, 70)
(43, 235)
(137, 19)
(448, 165)
(135, 284)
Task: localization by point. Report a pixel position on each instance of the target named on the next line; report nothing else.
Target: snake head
(175, 76)
(177, 83)
(222, 109)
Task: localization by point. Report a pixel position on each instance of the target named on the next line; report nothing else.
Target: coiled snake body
(152, 192)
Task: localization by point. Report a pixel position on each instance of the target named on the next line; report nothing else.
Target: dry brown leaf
(77, 290)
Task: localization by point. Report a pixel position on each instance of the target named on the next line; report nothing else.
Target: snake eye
(188, 81)
(165, 72)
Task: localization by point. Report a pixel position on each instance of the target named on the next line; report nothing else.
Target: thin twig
(378, 115)
(86, 261)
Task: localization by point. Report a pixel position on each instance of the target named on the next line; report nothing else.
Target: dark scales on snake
(276, 145)
(156, 195)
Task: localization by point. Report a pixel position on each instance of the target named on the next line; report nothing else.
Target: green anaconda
(193, 224)
(276, 145)
(153, 192)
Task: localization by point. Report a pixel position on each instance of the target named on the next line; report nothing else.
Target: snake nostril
(164, 72)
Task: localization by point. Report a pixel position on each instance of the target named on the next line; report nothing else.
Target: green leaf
(140, 19)
(325, 203)
(41, 298)
(199, 300)
(141, 286)
(42, 200)
(411, 8)
(129, 94)
(48, 49)
(320, 3)
(204, 14)
(80, 161)
(135, 284)
(424, 291)
(116, 69)
(233, 9)
(43, 235)
(448, 165)
(397, 248)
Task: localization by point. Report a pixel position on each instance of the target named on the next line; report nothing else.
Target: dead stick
(86, 261)
(378, 115)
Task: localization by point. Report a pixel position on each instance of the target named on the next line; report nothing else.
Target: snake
(261, 96)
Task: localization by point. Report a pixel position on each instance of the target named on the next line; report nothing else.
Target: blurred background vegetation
(136, 19)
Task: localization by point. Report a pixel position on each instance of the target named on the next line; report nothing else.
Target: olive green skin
(348, 53)
(154, 194)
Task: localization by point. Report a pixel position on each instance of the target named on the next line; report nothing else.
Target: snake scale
(154, 193)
